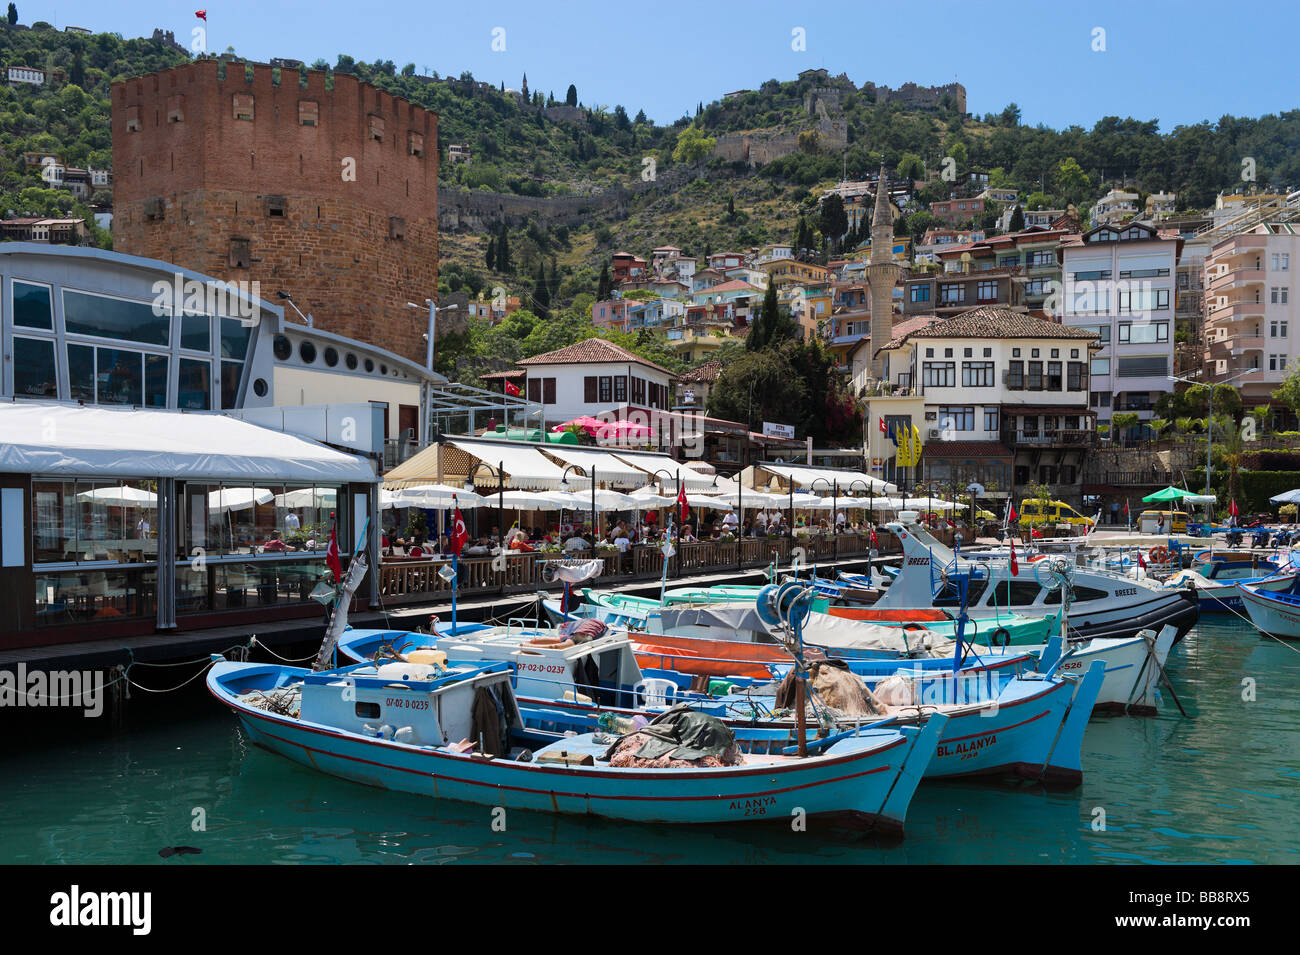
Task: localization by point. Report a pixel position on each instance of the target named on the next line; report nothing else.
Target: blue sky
(1178, 62)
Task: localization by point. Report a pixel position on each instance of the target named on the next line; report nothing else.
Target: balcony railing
(1059, 437)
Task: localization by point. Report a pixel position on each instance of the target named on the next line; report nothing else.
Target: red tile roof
(590, 351)
(709, 371)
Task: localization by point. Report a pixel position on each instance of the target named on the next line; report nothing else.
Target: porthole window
(351, 361)
(331, 356)
(383, 369)
(260, 387)
(370, 365)
(307, 352)
(282, 348)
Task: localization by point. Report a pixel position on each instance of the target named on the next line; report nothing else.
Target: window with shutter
(534, 389)
(606, 388)
(589, 388)
(620, 388)
(548, 391)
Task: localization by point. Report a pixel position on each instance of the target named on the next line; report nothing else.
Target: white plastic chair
(654, 692)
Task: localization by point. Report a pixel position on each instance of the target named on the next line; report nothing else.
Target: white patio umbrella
(319, 497)
(436, 496)
(238, 498)
(528, 500)
(122, 496)
(1287, 497)
(649, 498)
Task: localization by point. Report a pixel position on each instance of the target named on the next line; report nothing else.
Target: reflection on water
(1219, 787)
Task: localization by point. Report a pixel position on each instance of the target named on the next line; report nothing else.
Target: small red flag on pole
(202, 15)
(681, 503)
(332, 552)
(1015, 564)
(459, 535)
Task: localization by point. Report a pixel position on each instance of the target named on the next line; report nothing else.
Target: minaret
(882, 273)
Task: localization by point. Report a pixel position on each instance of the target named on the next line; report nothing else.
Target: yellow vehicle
(1153, 522)
(1050, 512)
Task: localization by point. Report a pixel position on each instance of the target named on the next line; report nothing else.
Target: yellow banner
(909, 445)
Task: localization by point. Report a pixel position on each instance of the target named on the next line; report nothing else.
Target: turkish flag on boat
(332, 553)
(1142, 561)
(458, 533)
(1012, 516)
(202, 15)
(1232, 508)
(1015, 564)
(874, 542)
(681, 503)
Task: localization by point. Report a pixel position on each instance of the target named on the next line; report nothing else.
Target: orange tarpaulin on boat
(695, 655)
(889, 614)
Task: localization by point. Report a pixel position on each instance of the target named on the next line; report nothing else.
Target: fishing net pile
(286, 701)
(677, 738)
(832, 686)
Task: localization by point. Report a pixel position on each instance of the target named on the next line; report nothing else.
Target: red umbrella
(586, 422)
(624, 426)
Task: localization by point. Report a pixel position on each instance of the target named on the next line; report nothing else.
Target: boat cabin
(417, 703)
(549, 665)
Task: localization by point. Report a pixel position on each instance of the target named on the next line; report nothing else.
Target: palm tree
(1229, 436)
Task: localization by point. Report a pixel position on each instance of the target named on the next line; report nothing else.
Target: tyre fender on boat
(1001, 637)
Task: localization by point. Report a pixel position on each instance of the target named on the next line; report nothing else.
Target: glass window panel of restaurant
(93, 522)
(235, 335)
(97, 595)
(35, 375)
(32, 306)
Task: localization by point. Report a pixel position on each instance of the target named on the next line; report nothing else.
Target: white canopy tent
(825, 479)
(524, 466)
(40, 437)
(693, 479)
(608, 467)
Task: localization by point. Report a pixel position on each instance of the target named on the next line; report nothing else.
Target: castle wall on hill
(328, 194)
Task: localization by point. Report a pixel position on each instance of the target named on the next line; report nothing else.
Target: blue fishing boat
(455, 732)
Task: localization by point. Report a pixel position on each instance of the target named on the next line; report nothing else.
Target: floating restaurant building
(169, 461)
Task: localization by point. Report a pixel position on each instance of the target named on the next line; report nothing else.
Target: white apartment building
(1119, 283)
(1000, 397)
(592, 376)
(1114, 206)
(1250, 308)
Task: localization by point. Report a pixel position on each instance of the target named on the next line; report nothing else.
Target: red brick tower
(330, 195)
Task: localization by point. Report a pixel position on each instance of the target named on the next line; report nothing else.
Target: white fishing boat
(1104, 604)
(1276, 613)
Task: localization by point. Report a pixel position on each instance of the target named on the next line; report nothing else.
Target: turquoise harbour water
(1221, 788)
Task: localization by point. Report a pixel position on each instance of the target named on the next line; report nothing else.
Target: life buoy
(1001, 637)
(1159, 554)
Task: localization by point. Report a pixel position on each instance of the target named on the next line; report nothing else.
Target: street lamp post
(1209, 430)
(433, 328)
(564, 482)
(834, 485)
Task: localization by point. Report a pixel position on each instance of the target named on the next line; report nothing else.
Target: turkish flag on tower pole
(202, 15)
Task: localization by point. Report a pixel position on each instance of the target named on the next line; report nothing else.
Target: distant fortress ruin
(823, 103)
